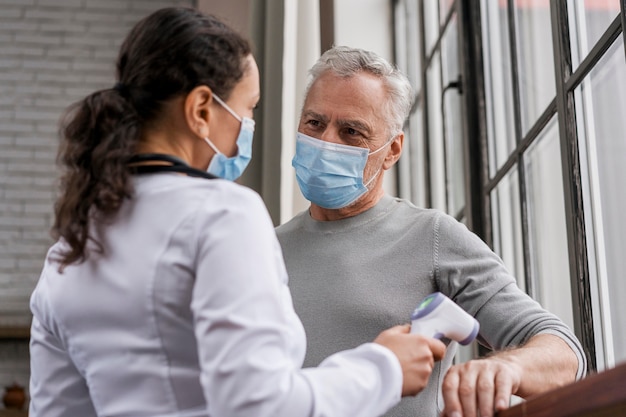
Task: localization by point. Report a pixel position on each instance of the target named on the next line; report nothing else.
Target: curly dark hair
(165, 55)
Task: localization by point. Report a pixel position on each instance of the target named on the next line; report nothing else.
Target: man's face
(349, 111)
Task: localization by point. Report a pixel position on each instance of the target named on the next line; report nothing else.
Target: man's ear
(198, 110)
(394, 152)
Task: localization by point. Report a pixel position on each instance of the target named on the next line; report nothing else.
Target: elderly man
(359, 260)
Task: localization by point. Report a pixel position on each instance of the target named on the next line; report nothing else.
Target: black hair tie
(121, 89)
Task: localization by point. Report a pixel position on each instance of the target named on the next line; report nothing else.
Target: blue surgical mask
(330, 175)
(232, 168)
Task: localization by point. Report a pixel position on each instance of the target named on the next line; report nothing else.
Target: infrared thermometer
(438, 316)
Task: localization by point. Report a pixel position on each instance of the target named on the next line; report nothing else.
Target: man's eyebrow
(314, 115)
(355, 124)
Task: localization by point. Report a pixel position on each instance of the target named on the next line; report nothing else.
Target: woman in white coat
(166, 293)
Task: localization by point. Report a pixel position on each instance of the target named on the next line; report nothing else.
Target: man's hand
(485, 385)
(482, 385)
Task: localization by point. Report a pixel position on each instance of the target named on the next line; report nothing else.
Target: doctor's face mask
(232, 168)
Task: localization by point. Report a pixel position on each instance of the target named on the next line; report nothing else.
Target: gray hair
(346, 61)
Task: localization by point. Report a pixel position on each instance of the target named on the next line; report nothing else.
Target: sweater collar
(338, 226)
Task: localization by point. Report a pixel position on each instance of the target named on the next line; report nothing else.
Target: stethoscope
(177, 165)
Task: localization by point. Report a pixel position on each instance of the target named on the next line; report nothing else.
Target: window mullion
(623, 9)
(572, 184)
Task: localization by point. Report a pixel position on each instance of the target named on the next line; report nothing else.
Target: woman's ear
(394, 152)
(198, 110)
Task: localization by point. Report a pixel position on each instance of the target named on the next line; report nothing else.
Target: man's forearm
(545, 361)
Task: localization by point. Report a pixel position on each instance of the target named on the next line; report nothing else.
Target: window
(603, 140)
(518, 130)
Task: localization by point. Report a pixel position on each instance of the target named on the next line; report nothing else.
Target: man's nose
(331, 135)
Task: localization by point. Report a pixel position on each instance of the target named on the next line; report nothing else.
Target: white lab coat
(187, 312)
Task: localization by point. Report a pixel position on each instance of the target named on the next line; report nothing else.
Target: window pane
(507, 225)
(546, 224)
(444, 9)
(417, 158)
(431, 23)
(413, 42)
(601, 101)
(589, 19)
(535, 62)
(453, 122)
(406, 26)
(435, 135)
(498, 86)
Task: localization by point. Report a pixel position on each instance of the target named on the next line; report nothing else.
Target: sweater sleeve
(471, 274)
(248, 334)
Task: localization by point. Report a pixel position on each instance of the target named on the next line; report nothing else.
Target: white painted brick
(47, 64)
(17, 127)
(17, 25)
(11, 13)
(111, 5)
(41, 154)
(28, 168)
(148, 6)
(11, 207)
(73, 39)
(9, 180)
(73, 4)
(57, 102)
(70, 51)
(16, 76)
(30, 39)
(109, 55)
(80, 92)
(16, 292)
(45, 127)
(37, 234)
(14, 154)
(103, 80)
(26, 195)
(49, 13)
(34, 143)
(38, 90)
(10, 64)
(29, 51)
(36, 115)
(89, 16)
(4, 3)
(32, 264)
(7, 264)
(94, 66)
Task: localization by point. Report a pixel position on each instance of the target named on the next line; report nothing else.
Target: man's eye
(313, 122)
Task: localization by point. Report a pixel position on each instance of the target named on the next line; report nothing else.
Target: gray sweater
(352, 278)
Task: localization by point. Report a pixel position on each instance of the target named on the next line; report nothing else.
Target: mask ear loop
(227, 107)
(208, 141)
(381, 168)
(382, 147)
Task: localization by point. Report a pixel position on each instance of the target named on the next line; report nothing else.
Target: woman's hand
(417, 355)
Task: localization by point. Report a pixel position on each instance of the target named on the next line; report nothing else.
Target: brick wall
(52, 53)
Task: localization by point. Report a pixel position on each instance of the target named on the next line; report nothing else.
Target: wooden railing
(599, 395)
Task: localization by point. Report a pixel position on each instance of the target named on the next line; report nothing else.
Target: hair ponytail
(100, 134)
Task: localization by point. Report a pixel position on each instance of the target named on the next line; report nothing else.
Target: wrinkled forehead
(361, 98)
